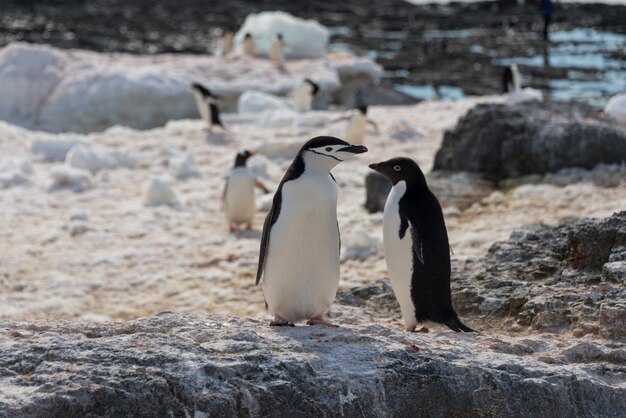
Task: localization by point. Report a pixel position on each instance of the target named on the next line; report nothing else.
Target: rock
(217, 365)
(377, 187)
(502, 141)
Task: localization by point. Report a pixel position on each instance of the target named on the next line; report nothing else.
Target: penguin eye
(328, 149)
(397, 168)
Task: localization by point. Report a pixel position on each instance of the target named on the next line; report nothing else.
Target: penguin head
(362, 109)
(279, 37)
(205, 92)
(242, 158)
(314, 86)
(325, 152)
(401, 169)
(247, 36)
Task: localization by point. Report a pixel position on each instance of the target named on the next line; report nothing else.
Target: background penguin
(238, 195)
(357, 124)
(228, 43)
(207, 106)
(249, 47)
(276, 50)
(511, 79)
(299, 255)
(416, 247)
(303, 95)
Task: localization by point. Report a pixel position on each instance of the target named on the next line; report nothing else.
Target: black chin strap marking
(326, 155)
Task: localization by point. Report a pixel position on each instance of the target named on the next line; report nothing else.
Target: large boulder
(183, 365)
(502, 141)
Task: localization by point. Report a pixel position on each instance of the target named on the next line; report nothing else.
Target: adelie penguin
(238, 197)
(276, 50)
(206, 103)
(249, 46)
(303, 95)
(300, 245)
(416, 248)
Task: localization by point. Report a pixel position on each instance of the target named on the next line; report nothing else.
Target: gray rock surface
(185, 365)
(503, 141)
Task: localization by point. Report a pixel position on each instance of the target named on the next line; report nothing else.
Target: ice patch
(302, 38)
(86, 158)
(55, 149)
(524, 95)
(66, 177)
(616, 108)
(160, 192)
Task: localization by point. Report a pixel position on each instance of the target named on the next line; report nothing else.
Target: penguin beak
(374, 166)
(354, 149)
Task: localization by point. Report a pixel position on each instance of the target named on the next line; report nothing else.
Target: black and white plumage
(511, 79)
(238, 197)
(300, 244)
(303, 95)
(416, 247)
(206, 103)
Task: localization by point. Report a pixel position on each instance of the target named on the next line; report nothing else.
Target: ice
(253, 101)
(93, 160)
(55, 148)
(160, 192)
(14, 172)
(303, 38)
(524, 95)
(66, 177)
(616, 107)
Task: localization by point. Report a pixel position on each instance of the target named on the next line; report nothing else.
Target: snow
(55, 149)
(253, 101)
(160, 192)
(66, 177)
(524, 95)
(93, 160)
(185, 166)
(616, 108)
(302, 38)
(14, 171)
(81, 91)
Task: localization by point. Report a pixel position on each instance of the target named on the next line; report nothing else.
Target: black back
(507, 80)
(242, 158)
(313, 84)
(203, 90)
(215, 115)
(294, 171)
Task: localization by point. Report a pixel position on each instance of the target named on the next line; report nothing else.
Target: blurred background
(428, 51)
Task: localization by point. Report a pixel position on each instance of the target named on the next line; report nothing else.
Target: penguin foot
(415, 329)
(321, 321)
(281, 323)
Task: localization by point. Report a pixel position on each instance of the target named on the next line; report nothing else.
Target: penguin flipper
(270, 220)
(418, 245)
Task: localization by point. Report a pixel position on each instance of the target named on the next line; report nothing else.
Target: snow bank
(66, 177)
(81, 91)
(616, 107)
(55, 149)
(93, 160)
(14, 171)
(524, 95)
(303, 38)
(160, 192)
(253, 101)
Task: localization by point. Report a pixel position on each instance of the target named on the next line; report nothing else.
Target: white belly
(239, 199)
(249, 47)
(356, 129)
(302, 99)
(398, 254)
(276, 52)
(302, 266)
(203, 107)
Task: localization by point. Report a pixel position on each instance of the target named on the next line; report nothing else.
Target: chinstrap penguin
(238, 197)
(206, 103)
(300, 244)
(303, 95)
(416, 247)
(249, 46)
(276, 50)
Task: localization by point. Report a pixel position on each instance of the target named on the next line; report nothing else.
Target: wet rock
(377, 188)
(217, 365)
(502, 141)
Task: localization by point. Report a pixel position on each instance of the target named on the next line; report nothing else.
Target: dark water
(447, 51)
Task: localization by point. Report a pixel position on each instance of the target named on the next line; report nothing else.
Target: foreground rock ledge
(218, 365)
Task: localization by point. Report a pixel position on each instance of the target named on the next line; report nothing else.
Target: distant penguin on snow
(249, 46)
(276, 50)
(511, 79)
(303, 95)
(357, 125)
(238, 198)
(416, 248)
(207, 106)
(300, 245)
